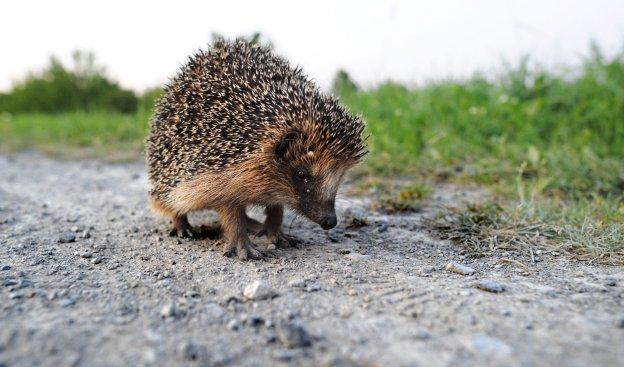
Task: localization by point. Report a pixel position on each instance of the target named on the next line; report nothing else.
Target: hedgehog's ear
(284, 143)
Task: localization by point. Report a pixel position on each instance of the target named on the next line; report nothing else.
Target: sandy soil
(124, 293)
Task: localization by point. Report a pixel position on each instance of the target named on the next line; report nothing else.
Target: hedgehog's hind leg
(272, 228)
(253, 226)
(180, 224)
(182, 228)
(234, 224)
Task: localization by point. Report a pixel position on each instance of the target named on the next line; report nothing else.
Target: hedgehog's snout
(329, 221)
(326, 215)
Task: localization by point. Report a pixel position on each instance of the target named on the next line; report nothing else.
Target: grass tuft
(530, 228)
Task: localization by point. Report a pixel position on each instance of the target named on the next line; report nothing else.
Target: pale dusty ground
(387, 302)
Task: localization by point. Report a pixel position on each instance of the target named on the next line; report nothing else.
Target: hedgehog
(239, 127)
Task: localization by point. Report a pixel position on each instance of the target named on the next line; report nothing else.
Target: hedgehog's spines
(226, 101)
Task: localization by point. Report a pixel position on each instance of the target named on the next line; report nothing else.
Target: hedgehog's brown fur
(237, 127)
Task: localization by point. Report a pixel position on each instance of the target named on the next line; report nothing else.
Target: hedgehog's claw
(244, 251)
(185, 230)
(278, 239)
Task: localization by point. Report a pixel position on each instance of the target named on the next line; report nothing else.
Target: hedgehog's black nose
(329, 222)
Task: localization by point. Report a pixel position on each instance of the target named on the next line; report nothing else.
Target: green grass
(75, 133)
(549, 145)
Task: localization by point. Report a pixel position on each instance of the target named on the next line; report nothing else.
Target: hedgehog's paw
(278, 239)
(211, 232)
(245, 250)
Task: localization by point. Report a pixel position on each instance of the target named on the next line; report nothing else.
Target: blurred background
(523, 97)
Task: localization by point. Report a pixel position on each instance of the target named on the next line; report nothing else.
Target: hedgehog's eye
(301, 174)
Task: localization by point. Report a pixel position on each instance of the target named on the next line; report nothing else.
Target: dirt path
(130, 295)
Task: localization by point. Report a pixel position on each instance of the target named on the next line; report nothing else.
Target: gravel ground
(89, 277)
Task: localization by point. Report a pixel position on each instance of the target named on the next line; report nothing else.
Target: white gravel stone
(259, 290)
(458, 268)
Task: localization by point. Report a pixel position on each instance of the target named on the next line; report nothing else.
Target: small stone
(67, 237)
(422, 335)
(490, 286)
(293, 335)
(272, 338)
(297, 283)
(284, 355)
(425, 270)
(232, 325)
(191, 352)
(5, 267)
(24, 283)
(66, 302)
(168, 310)
(86, 255)
(85, 234)
(258, 290)
(96, 260)
(382, 227)
(458, 268)
(490, 346)
(313, 288)
(15, 295)
(611, 282)
(344, 251)
(164, 275)
(255, 320)
(356, 256)
(214, 312)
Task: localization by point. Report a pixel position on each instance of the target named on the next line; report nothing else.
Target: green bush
(85, 87)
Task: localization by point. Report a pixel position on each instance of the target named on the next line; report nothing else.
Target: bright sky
(143, 42)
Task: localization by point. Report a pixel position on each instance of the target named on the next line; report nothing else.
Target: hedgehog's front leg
(234, 225)
(273, 228)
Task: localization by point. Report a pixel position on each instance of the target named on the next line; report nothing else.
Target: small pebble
(67, 237)
(487, 345)
(86, 255)
(5, 267)
(382, 227)
(458, 268)
(293, 335)
(168, 310)
(213, 311)
(284, 355)
(255, 320)
(356, 256)
(313, 288)
(96, 260)
(611, 282)
(259, 290)
(191, 352)
(66, 302)
(490, 286)
(422, 335)
(232, 325)
(297, 283)
(344, 251)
